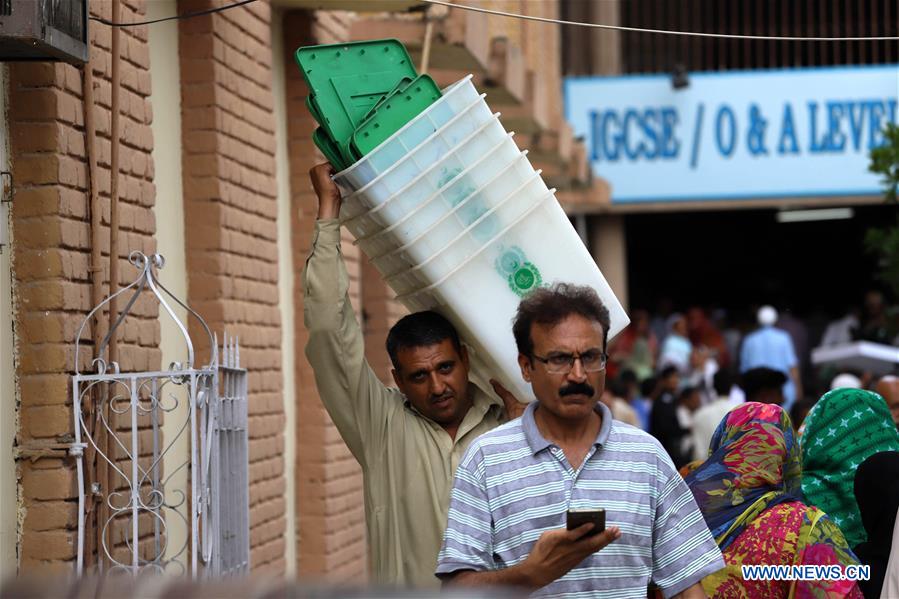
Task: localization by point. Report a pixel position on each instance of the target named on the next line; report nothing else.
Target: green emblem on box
(521, 275)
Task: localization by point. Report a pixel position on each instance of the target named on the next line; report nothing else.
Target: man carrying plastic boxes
(531, 498)
(408, 440)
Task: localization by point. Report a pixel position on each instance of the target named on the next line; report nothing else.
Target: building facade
(758, 130)
(214, 153)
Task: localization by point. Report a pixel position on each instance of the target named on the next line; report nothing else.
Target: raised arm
(359, 404)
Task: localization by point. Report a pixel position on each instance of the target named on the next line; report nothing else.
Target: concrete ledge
(590, 199)
(409, 29)
(573, 206)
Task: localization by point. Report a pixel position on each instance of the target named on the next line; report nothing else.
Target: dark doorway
(741, 258)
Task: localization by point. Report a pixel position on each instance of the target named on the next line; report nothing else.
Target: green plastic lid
(347, 80)
(392, 114)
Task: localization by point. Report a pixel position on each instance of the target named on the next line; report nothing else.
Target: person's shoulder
(502, 438)
(630, 432)
(705, 411)
(513, 426)
(753, 336)
(625, 408)
(780, 333)
(620, 427)
(713, 411)
(631, 445)
(635, 438)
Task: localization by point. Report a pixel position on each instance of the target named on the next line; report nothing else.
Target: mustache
(577, 389)
(446, 395)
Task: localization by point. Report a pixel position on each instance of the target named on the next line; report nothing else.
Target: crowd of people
(677, 376)
(723, 401)
(683, 437)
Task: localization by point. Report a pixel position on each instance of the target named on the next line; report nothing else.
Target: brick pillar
(230, 219)
(605, 46)
(51, 260)
(330, 513)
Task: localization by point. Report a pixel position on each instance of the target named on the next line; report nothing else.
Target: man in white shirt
(707, 418)
(839, 332)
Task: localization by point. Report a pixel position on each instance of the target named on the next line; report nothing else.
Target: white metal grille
(225, 440)
(136, 504)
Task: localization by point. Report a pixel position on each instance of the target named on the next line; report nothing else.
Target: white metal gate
(118, 433)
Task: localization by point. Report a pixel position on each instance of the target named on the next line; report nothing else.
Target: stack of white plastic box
(456, 219)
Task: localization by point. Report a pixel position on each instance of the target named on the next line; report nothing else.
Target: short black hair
(617, 388)
(800, 410)
(723, 381)
(420, 329)
(648, 386)
(551, 305)
(628, 376)
(756, 380)
(668, 371)
(686, 392)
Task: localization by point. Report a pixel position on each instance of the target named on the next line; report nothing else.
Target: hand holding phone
(559, 550)
(576, 518)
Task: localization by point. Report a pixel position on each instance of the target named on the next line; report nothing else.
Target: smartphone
(577, 518)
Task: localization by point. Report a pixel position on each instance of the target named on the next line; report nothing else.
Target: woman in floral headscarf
(749, 493)
(845, 428)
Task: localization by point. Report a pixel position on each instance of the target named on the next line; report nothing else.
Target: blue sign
(735, 134)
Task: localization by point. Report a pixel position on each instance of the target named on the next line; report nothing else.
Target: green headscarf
(845, 428)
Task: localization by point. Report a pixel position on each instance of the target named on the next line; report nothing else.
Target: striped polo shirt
(513, 484)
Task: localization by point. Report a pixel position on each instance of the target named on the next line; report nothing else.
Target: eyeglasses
(592, 360)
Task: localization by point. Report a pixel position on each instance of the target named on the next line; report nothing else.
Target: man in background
(888, 388)
(615, 398)
(707, 418)
(770, 347)
(764, 385)
(663, 421)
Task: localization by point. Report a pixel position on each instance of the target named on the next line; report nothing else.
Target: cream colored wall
(8, 412)
(285, 287)
(609, 249)
(169, 209)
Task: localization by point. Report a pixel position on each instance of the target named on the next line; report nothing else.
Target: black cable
(186, 15)
(777, 38)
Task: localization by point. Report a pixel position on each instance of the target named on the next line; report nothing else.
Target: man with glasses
(515, 484)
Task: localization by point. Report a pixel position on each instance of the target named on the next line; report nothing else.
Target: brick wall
(330, 514)
(230, 211)
(51, 258)
(230, 218)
